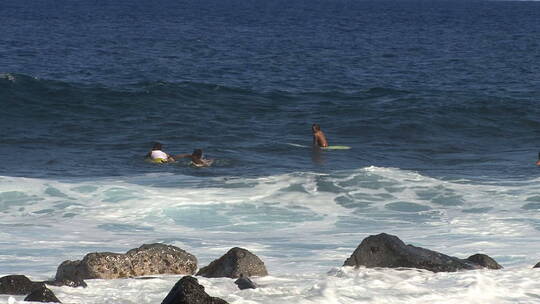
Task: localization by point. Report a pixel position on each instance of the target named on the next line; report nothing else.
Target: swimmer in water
(196, 158)
(538, 161)
(319, 139)
(159, 156)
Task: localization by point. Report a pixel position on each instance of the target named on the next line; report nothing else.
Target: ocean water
(438, 101)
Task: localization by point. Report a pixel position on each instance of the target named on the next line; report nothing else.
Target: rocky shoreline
(376, 251)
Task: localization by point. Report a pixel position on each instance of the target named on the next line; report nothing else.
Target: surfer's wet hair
(316, 127)
(157, 146)
(197, 152)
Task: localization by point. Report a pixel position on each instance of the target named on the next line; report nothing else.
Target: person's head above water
(157, 146)
(197, 153)
(315, 128)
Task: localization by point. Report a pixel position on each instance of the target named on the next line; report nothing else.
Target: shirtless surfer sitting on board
(319, 138)
(196, 158)
(158, 156)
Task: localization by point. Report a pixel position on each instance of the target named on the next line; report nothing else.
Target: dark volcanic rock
(384, 250)
(42, 294)
(484, 261)
(235, 262)
(188, 291)
(537, 265)
(245, 283)
(17, 285)
(145, 260)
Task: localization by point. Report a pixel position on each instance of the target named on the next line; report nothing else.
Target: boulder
(384, 250)
(245, 283)
(188, 291)
(145, 260)
(17, 285)
(235, 262)
(484, 261)
(537, 265)
(42, 294)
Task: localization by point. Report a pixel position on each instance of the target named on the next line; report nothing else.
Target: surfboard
(324, 148)
(156, 161)
(336, 148)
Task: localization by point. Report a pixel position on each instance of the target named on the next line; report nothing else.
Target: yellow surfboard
(336, 148)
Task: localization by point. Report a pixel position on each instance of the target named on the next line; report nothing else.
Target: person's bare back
(319, 138)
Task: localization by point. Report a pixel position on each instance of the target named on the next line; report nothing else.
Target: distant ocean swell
(65, 129)
(380, 108)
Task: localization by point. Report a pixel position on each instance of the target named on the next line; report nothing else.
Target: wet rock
(145, 260)
(17, 285)
(245, 283)
(98, 265)
(537, 265)
(42, 294)
(484, 261)
(188, 291)
(384, 250)
(235, 262)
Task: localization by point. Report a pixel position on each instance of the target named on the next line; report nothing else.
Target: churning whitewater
(303, 225)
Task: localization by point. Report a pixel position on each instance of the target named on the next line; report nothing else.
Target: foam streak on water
(303, 225)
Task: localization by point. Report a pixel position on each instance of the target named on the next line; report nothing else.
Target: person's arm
(170, 158)
(317, 139)
(181, 156)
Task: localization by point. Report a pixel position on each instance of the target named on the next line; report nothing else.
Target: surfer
(157, 155)
(196, 158)
(538, 161)
(319, 138)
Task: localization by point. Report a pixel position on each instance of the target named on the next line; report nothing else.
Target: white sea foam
(340, 285)
(302, 225)
(7, 76)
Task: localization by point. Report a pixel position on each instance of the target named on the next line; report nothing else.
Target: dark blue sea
(444, 86)
(438, 100)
